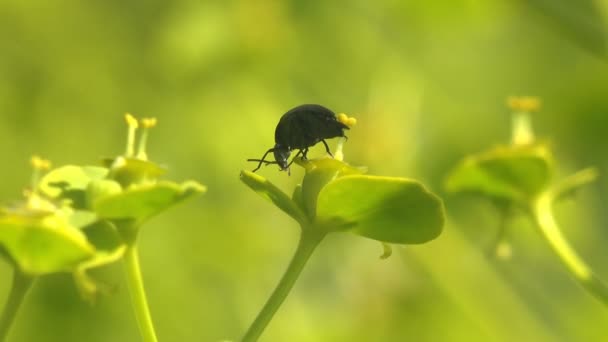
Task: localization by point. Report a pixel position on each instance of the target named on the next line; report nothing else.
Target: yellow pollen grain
(131, 120)
(345, 119)
(148, 122)
(524, 103)
(40, 164)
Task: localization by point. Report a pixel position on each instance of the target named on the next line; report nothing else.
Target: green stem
(543, 217)
(309, 240)
(138, 295)
(21, 284)
(571, 183)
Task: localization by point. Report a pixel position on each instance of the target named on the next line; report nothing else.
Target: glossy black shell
(306, 125)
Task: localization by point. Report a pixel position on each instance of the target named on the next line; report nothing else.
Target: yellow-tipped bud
(39, 163)
(524, 103)
(345, 119)
(148, 122)
(131, 120)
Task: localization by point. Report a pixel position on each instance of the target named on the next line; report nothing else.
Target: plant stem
(309, 240)
(21, 284)
(543, 217)
(138, 295)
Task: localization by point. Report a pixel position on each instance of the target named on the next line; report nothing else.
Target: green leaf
(387, 209)
(515, 173)
(40, 245)
(127, 171)
(329, 163)
(103, 234)
(270, 192)
(140, 202)
(80, 218)
(70, 177)
(87, 287)
(99, 188)
(312, 183)
(320, 172)
(70, 182)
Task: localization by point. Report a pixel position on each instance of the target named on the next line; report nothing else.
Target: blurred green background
(427, 82)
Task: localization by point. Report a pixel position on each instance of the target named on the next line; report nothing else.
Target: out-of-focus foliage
(427, 82)
(511, 173)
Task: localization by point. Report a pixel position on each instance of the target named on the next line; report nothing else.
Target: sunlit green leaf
(143, 201)
(269, 191)
(40, 245)
(81, 218)
(89, 288)
(511, 173)
(319, 172)
(70, 177)
(394, 210)
(312, 183)
(127, 171)
(99, 188)
(330, 163)
(70, 182)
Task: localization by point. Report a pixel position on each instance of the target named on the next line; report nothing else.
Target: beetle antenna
(260, 164)
(263, 160)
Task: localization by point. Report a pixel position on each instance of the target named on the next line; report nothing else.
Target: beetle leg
(294, 158)
(304, 152)
(327, 148)
(262, 160)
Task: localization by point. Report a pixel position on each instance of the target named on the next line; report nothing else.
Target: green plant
(519, 176)
(335, 197)
(39, 236)
(79, 217)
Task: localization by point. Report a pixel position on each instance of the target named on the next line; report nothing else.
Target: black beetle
(300, 128)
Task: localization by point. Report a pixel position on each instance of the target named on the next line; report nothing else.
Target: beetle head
(281, 155)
